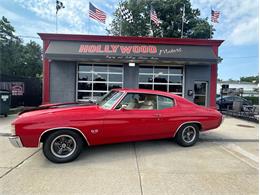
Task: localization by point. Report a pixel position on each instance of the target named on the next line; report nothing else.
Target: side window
(138, 101)
(164, 102)
(229, 98)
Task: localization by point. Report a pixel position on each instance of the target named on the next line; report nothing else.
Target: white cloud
(73, 18)
(245, 33)
(238, 22)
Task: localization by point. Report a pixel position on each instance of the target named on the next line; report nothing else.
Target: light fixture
(132, 64)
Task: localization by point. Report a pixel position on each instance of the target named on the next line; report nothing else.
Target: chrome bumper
(15, 141)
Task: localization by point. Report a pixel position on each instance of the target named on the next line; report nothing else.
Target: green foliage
(169, 12)
(254, 100)
(251, 79)
(15, 57)
(6, 30)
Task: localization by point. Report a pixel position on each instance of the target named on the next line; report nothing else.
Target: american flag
(214, 16)
(97, 14)
(154, 17)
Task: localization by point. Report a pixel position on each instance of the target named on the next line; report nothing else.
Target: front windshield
(109, 99)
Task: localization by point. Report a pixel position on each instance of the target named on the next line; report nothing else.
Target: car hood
(56, 108)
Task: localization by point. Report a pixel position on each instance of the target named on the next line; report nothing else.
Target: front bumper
(15, 141)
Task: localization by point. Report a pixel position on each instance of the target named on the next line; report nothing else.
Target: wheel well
(198, 124)
(47, 133)
(192, 122)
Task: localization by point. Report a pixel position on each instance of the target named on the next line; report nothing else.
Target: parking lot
(224, 161)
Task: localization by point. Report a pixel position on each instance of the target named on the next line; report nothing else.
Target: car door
(134, 118)
(227, 102)
(169, 115)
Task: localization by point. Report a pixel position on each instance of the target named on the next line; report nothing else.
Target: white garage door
(162, 78)
(95, 80)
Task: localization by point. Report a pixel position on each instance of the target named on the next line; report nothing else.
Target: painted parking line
(241, 151)
(237, 152)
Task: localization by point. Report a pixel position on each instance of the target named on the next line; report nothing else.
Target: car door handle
(157, 115)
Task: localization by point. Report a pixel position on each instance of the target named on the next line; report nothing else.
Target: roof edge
(129, 39)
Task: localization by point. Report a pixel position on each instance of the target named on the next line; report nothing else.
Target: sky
(238, 26)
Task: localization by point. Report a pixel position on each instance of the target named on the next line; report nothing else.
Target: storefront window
(163, 78)
(95, 80)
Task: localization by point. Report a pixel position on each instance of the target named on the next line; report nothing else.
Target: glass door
(200, 92)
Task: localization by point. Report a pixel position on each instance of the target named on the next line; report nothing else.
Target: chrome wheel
(189, 134)
(63, 146)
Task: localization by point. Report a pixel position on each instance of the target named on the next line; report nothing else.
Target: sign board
(126, 51)
(17, 89)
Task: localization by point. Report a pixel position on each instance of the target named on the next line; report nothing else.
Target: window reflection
(175, 79)
(145, 86)
(175, 88)
(170, 78)
(84, 86)
(85, 77)
(160, 79)
(160, 87)
(98, 79)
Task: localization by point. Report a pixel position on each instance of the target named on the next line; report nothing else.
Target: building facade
(85, 67)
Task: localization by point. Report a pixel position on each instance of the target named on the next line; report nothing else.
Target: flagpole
(88, 23)
(120, 26)
(151, 30)
(182, 24)
(210, 28)
(56, 22)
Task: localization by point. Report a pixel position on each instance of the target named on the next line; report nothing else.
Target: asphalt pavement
(224, 161)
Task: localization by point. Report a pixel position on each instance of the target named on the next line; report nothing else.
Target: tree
(251, 79)
(169, 12)
(16, 58)
(7, 31)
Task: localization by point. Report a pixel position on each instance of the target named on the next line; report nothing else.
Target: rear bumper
(15, 141)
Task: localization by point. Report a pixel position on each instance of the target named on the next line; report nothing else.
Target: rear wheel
(187, 135)
(62, 146)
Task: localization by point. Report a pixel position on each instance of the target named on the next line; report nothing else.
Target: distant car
(123, 115)
(226, 102)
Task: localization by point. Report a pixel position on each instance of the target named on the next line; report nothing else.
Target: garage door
(162, 78)
(95, 80)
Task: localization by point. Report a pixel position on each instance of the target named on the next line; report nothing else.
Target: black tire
(187, 135)
(68, 142)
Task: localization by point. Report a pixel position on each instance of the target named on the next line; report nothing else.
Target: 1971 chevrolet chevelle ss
(122, 115)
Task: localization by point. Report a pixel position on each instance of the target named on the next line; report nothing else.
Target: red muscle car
(122, 115)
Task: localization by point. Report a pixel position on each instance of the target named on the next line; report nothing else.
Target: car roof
(156, 92)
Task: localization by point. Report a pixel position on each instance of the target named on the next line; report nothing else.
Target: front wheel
(187, 135)
(62, 146)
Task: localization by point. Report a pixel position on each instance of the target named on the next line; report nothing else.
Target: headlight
(13, 129)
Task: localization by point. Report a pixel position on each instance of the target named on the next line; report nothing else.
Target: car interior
(134, 101)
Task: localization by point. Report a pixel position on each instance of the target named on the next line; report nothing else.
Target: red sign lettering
(121, 49)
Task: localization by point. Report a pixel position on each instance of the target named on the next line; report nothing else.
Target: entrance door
(200, 93)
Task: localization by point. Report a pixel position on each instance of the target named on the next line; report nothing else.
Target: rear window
(165, 102)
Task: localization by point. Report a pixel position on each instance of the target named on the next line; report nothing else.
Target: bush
(254, 100)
